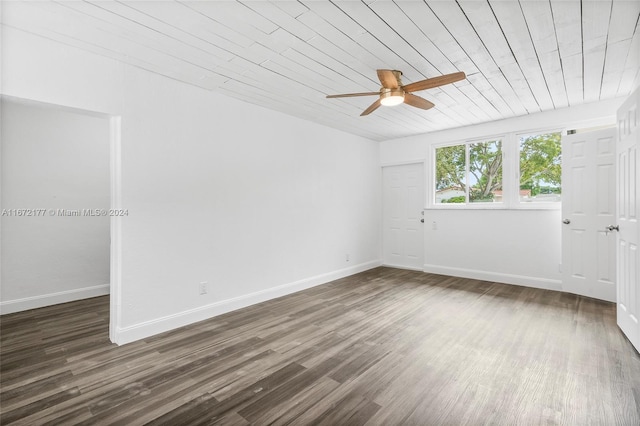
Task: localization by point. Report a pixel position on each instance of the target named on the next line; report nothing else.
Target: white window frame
(479, 205)
(510, 174)
(531, 205)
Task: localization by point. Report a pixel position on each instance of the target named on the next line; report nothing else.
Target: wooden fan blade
(374, 106)
(434, 82)
(417, 101)
(388, 79)
(349, 95)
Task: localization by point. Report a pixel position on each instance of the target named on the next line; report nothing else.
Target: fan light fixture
(393, 92)
(392, 97)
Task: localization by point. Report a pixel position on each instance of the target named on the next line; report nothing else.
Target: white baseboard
(498, 277)
(408, 268)
(18, 305)
(180, 319)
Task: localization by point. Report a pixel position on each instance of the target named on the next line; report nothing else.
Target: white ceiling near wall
(520, 57)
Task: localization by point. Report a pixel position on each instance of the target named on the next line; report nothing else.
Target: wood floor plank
(289, 411)
(383, 347)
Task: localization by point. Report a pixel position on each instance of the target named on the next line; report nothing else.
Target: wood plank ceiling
(520, 57)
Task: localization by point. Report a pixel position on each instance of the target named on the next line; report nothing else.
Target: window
(540, 167)
(516, 170)
(451, 170)
(469, 173)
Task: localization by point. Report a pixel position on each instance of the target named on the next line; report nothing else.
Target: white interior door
(402, 218)
(628, 209)
(588, 207)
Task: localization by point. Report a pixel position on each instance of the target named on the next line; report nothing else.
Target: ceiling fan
(393, 92)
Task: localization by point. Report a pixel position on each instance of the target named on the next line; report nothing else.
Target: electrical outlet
(347, 257)
(203, 287)
(434, 225)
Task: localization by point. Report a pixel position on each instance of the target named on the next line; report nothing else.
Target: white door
(402, 217)
(588, 207)
(628, 211)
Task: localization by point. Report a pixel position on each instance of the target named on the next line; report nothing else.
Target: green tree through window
(450, 167)
(485, 166)
(483, 176)
(540, 166)
(472, 172)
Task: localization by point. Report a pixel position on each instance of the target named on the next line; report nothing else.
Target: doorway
(628, 212)
(588, 209)
(403, 216)
(56, 198)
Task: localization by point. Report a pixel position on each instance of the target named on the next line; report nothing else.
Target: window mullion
(467, 157)
(511, 162)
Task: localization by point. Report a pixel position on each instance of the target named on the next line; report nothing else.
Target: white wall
(512, 246)
(53, 159)
(256, 203)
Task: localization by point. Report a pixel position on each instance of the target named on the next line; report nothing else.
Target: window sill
(479, 206)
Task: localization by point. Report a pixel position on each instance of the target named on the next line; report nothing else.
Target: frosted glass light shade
(392, 97)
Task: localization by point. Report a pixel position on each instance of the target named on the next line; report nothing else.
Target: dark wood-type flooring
(384, 347)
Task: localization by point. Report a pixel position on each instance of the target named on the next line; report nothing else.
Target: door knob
(566, 221)
(613, 228)
(422, 220)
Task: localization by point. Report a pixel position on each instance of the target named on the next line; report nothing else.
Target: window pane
(540, 168)
(450, 174)
(485, 172)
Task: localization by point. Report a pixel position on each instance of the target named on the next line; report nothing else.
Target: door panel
(588, 180)
(577, 253)
(578, 179)
(403, 198)
(606, 199)
(606, 265)
(628, 238)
